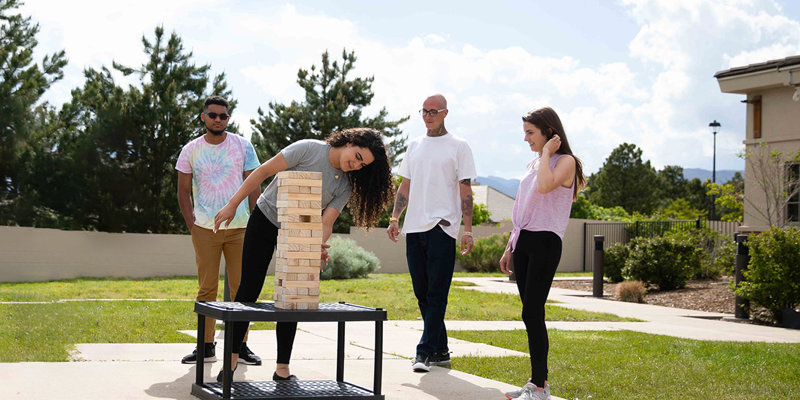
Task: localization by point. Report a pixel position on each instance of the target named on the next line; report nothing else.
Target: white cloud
(658, 97)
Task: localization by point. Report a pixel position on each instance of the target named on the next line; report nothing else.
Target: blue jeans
(431, 259)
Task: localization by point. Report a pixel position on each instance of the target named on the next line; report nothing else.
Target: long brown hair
(547, 121)
(372, 185)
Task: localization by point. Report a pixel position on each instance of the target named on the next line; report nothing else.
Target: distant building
(773, 118)
(498, 203)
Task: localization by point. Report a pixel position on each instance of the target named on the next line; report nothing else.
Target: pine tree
(332, 103)
(22, 83)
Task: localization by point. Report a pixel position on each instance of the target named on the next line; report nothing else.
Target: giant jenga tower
(297, 258)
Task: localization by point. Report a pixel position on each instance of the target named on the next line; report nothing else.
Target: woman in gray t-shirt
(355, 171)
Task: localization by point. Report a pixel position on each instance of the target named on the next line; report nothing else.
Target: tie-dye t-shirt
(217, 171)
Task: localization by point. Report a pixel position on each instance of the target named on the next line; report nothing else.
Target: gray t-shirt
(309, 155)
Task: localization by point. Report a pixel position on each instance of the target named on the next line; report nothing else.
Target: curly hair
(373, 189)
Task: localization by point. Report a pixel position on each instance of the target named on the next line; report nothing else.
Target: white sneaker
(529, 392)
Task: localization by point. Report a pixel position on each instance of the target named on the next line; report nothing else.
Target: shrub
(614, 260)
(485, 255)
(772, 279)
(666, 262)
(348, 260)
(632, 291)
(717, 252)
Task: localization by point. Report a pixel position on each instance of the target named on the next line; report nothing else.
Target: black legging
(260, 239)
(536, 258)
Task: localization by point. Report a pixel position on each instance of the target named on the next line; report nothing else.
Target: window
(756, 102)
(793, 190)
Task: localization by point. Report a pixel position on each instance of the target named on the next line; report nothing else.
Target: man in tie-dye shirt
(210, 170)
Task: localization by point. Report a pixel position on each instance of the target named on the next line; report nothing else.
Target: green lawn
(47, 332)
(632, 365)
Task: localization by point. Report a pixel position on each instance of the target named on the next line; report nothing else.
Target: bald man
(436, 171)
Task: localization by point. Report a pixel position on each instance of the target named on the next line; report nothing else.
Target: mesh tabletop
(293, 390)
(234, 311)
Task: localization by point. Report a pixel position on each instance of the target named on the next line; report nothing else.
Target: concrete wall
(36, 254)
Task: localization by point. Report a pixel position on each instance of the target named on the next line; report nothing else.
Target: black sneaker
(247, 357)
(220, 376)
(441, 359)
(210, 355)
(421, 364)
(276, 377)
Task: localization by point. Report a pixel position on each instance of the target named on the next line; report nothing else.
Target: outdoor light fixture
(714, 129)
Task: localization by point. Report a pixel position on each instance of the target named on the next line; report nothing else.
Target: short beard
(216, 133)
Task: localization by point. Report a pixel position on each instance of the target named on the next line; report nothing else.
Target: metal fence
(623, 232)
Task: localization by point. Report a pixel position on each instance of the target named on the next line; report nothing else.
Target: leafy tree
(332, 102)
(119, 145)
(729, 199)
(672, 182)
(625, 180)
(778, 183)
(22, 83)
(681, 209)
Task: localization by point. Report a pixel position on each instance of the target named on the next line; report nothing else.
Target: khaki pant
(208, 248)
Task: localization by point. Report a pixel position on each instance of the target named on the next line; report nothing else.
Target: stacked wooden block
(297, 257)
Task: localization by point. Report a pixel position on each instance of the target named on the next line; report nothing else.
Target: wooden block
(299, 247)
(316, 190)
(300, 196)
(285, 306)
(299, 218)
(298, 211)
(296, 232)
(301, 270)
(303, 226)
(291, 189)
(312, 291)
(305, 189)
(302, 291)
(300, 284)
(301, 254)
(299, 175)
(299, 182)
(304, 240)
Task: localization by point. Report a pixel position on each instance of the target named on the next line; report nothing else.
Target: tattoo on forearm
(400, 203)
(466, 205)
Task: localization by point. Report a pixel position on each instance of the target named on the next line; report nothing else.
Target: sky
(636, 71)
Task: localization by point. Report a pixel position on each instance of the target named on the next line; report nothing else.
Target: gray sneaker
(440, 359)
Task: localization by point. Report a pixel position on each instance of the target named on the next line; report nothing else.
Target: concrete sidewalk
(151, 371)
(688, 324)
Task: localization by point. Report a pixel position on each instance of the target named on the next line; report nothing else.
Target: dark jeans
(260, 239)
(431, 259)
(536, 258)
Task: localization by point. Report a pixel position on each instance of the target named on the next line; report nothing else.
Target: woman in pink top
(540, 216)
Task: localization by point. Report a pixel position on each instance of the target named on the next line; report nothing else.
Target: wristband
(467, 233)
(392, 219)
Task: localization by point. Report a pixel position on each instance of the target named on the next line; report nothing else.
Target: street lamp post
(714, 129)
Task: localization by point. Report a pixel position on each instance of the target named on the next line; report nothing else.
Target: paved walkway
(150, 371)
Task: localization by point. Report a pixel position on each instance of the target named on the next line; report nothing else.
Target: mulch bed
(711, 296)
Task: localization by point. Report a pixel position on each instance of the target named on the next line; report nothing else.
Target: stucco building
(773, 124)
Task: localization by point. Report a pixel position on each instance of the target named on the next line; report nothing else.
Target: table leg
(201, 348)
(376, 383)
(340, 353)
(227, 377)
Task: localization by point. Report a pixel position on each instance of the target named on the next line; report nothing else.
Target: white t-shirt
(435, 165)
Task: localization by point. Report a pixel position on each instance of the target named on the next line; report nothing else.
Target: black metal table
(327, 312)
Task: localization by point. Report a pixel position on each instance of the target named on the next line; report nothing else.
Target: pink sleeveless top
(534, 211)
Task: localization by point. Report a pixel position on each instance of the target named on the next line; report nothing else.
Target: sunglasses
(222, 117)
